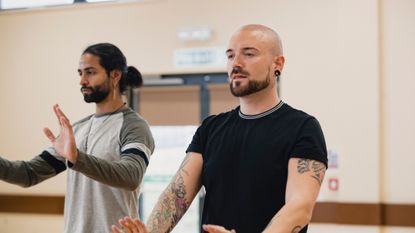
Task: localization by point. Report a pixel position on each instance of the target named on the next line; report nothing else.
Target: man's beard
(98, 93)
(252, 87)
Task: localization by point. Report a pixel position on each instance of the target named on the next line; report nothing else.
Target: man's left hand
(64, 144)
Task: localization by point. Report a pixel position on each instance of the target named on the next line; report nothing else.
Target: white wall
(340, 57)
(398, 107)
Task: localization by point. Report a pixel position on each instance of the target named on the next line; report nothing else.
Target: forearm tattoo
(270, 222)
(296, 229)
(317, 168)
(172, 205)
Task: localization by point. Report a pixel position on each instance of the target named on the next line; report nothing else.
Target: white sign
(199, 57)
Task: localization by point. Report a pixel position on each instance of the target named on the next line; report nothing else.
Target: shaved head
(265, 34)
(255, 58)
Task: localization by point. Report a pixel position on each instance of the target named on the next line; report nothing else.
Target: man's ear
(115, 75)
(279, 62)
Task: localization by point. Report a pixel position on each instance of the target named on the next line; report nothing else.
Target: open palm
(64, 144)
(129, 225)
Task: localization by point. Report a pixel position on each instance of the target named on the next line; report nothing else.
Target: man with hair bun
(106, 153)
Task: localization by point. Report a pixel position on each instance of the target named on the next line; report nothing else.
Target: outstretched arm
(174, 201)
(178, 195)
(29, 173)
(40, 168)
(304, 180)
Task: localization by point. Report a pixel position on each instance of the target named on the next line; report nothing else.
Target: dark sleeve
(310, 143)
(29, 173)
(126, 173)
(199, 138)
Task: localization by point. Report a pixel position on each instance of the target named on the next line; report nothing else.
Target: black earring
(277, 73)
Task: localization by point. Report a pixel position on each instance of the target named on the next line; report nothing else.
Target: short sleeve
(199, 138)
(310, 143)
(136, 137)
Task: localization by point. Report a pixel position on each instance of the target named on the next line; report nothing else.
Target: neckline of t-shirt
(107, 114)
(263, 114)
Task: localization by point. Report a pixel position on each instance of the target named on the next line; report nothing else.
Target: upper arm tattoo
(185, 161)
(317, 168)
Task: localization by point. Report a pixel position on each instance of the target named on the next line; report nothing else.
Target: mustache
(87, 88)
(239, 70)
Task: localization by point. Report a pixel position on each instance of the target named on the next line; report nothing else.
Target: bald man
(261, 164)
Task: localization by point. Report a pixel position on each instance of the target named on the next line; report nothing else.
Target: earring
(113, 91)
(277, 73)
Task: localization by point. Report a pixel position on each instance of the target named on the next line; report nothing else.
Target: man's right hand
(216, 229)
(129, 225)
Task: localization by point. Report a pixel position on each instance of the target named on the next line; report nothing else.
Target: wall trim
(398, 215)
(32, 204)
(324, 212)
(374, 214)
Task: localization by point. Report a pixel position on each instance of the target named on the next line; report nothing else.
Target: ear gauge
(277, 73)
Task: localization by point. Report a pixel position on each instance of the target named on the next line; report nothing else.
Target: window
(21, 4)
(14, 4)
(99, 0)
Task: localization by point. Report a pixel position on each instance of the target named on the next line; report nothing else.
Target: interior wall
(176, 105)
(398, 93)
(33, 223)
(41, 48)
(332, 71)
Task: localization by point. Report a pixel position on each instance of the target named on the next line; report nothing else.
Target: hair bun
(134, 78)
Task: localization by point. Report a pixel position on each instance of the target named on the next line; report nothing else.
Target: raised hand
(129, 225)
(64, 144)
(216, 229)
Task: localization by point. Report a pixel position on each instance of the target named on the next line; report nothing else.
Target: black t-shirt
(245, 163)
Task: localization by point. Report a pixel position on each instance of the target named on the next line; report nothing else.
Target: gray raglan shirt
(103, 185)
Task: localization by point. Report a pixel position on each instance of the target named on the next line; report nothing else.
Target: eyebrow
(250, 48)
(86, 69)
(243, 49)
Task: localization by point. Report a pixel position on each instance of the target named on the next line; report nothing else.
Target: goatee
(97, 93)
(252, 87)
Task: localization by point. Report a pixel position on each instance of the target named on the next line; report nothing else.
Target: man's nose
(237, 62)
(83, 81)
(236, 70)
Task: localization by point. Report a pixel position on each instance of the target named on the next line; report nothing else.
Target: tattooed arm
(177, 197)
(303, 185)
(173, 202)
